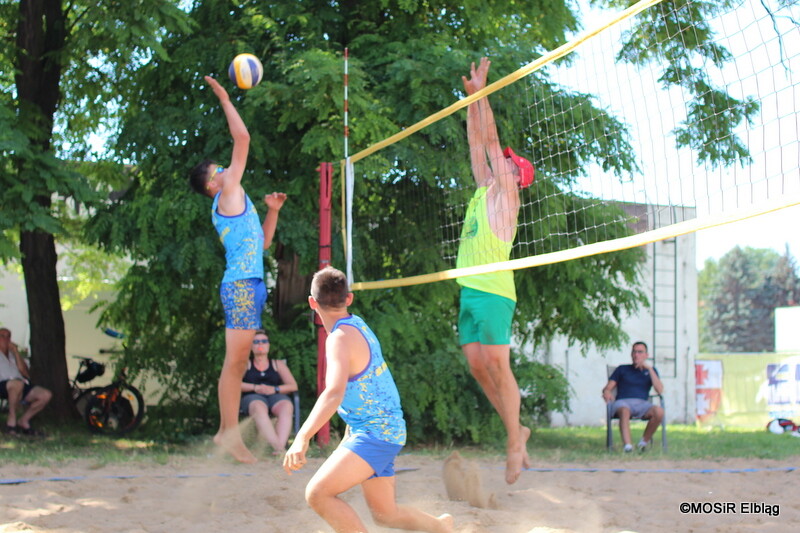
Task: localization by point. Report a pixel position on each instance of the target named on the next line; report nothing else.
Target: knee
(623, 413)
(14, 389)
(44, 394)
(383, 518)
(283, 408)
(658, 413)
(257, 409)
(315, 496)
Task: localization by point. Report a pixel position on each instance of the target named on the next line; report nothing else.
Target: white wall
(14, 307)
(83, 337)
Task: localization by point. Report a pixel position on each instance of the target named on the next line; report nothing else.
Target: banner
(747, 390)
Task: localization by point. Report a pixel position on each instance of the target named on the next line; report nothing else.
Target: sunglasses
(218, 170)
(261, 341)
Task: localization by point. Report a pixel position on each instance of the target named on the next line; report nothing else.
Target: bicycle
(114, 409)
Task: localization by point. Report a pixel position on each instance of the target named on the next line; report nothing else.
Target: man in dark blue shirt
(633, 384)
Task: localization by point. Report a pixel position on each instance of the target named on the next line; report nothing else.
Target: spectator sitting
(265, 388)
(633, 384)
(15, 387)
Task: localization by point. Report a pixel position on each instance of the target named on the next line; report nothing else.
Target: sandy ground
(212, 494)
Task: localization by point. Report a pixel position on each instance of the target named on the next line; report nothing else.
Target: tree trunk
(48, 360)
(41, 38)
(292, 288)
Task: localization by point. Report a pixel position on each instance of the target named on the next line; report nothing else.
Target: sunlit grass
(684, 442)
(547, 445)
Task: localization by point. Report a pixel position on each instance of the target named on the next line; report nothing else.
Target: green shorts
(484, 317)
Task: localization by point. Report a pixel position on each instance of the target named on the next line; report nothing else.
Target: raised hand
(478, 77)
(275, 200)
(218, 89)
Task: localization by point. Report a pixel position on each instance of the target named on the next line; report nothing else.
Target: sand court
(211, 494)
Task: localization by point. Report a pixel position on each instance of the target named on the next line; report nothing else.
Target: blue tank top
(371, 402)
(243, 239)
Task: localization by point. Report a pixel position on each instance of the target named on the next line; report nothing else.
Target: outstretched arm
(232, 198)
(274, 203)
(487, 155)
(476, 133)
(489, 166)
(336, 374)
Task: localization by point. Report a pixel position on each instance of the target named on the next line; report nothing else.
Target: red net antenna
(325, 196)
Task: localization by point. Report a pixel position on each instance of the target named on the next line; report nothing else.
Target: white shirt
(8, 368)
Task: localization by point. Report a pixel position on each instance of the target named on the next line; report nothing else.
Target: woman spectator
(266, 386)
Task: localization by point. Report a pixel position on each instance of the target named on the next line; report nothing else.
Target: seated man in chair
(632, 400)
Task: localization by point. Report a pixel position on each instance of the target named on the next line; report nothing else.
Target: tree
(738, 297)
(57, 83)
(406, 57)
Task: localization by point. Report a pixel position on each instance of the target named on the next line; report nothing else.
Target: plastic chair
(611, 416)
(296, 402)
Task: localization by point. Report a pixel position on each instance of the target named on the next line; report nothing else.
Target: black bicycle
(114, 409)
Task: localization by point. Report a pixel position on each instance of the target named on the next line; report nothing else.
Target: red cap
(525, 168)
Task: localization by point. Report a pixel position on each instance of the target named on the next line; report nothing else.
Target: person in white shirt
(15, 386)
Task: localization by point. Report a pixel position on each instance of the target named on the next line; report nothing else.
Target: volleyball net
(668, 118)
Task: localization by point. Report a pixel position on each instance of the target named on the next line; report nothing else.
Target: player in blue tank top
(371, 403)
(359, 385)
(242, 290)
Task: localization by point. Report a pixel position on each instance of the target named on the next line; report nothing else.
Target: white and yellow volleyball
(246, 71)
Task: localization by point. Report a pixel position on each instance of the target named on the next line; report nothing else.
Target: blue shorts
(378, 454)
(243, 301)
(484, 317)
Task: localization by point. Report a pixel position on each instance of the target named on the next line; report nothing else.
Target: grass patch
(550, 445)
(67, 443)
(585, 444)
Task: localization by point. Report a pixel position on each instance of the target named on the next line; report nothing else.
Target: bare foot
(446, 521)
(513, 465)
(525, 434)
(231, 442)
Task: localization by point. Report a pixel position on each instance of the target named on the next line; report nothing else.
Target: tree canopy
(61, 64)
(136, 68)
(738, 297)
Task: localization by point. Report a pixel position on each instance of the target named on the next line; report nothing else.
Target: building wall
(672, 339)
(83, 336)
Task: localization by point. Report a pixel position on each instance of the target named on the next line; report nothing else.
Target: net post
(325, 195)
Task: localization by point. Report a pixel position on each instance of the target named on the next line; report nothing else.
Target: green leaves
(676, 35)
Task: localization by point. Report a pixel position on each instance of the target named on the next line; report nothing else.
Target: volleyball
(246, 71)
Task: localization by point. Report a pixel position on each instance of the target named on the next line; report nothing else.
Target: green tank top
(479, 246)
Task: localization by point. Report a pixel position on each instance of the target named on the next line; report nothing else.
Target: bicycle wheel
(83, 398)
(115, 410)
